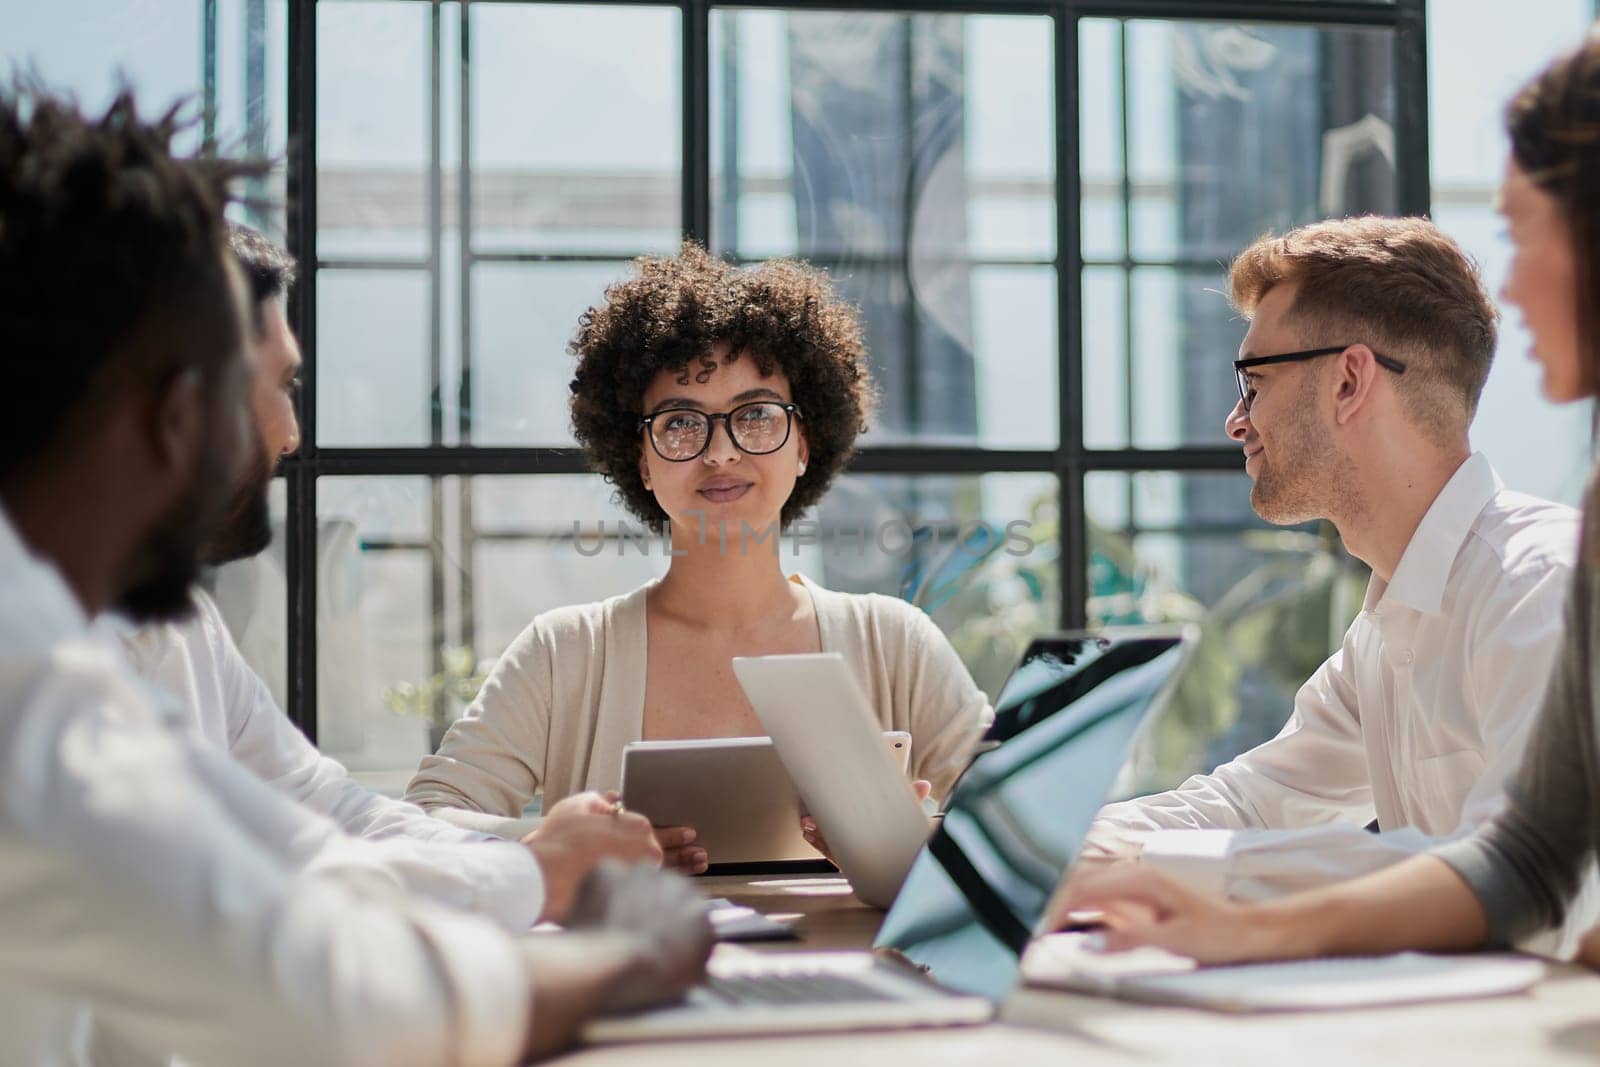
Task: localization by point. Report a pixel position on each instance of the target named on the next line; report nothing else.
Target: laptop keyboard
(814, 988)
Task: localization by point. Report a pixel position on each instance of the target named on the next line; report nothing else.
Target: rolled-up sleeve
(1313, 772)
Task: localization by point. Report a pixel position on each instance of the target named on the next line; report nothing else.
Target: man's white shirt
(194, 908)
(1418, 720)
(228, 707)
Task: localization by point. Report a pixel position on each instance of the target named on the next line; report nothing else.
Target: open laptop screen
(1065, 723)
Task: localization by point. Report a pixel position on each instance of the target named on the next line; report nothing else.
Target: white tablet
(824, 730)
(734, 791)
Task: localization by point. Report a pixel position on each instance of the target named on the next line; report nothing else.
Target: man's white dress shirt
(193, 908)
(1418, 720)
(228, 707)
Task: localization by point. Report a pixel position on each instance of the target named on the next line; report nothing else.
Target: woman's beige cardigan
(569, 694)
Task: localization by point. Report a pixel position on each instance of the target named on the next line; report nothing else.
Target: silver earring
(802, 469)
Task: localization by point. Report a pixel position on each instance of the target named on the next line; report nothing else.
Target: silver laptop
(822, 726)
(949, 947)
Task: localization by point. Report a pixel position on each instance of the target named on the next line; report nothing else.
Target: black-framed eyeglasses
(681, 434)
(1247, 393)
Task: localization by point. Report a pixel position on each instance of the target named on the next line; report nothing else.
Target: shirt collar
(39, 609)
(143, 645)
(1424, 568)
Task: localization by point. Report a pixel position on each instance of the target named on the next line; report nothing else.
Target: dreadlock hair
(112, 261)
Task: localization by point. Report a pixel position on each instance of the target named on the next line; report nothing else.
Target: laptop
(822, 728)
(950, 945)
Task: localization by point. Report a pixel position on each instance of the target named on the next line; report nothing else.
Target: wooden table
(1556, 1023)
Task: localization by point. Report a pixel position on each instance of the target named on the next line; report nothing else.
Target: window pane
(158, 47)
(1100, 166)
(424, 582)
(86, 46)
(1271, 603)
(576, 128)
(374, 73)
(377, 619)
(1235, 129)
(1177, 368)
(1014, 334)
(523, 316)
(1231, 130)
(374, 618)
(1100, 223)
(1105, 357)
(252, 82)
(373, 378)
(1185, 338)
(905, 154)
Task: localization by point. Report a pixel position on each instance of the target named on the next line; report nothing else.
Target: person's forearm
(570, 975)
(1418, 904)
(484, 823)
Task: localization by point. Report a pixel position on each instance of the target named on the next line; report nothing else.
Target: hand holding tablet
(732, 794)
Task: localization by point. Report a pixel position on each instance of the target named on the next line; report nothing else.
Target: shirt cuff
(1197, 858)
(510, 883)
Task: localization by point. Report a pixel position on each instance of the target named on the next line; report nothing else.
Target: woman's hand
(678, 850)
(808, 826)
(1140, 907)
(1421, 903)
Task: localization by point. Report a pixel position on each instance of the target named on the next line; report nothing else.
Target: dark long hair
(1554, 125)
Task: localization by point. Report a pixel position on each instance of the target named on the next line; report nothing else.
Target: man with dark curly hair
(721, 402)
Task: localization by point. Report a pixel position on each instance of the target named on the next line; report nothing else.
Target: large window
(1033, 203)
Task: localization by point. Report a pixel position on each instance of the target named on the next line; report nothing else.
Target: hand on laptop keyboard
(665, 921)
(1141, 907)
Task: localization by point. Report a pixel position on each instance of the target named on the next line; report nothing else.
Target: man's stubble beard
(175, 549)
(247, 530)
(1308, 477)
(177, 544)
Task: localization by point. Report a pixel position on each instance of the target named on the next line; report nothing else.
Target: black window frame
(1070, 461)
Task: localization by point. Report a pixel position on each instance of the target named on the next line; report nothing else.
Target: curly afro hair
(672, 314)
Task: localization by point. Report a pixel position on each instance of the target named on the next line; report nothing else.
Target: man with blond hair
(1369, 343)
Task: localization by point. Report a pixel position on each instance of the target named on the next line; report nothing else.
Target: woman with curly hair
(721, 402)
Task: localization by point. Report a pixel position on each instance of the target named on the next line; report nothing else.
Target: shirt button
(1406, 657)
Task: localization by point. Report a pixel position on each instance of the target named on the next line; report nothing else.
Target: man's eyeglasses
(680, 434)
(1247, 393)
